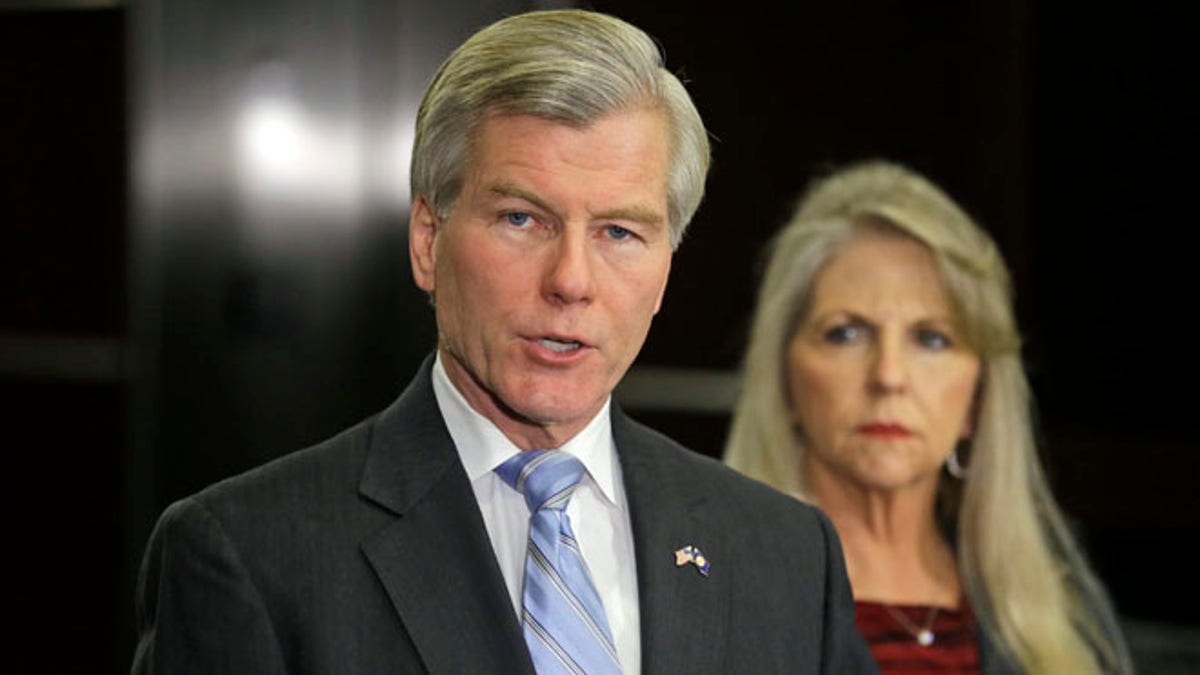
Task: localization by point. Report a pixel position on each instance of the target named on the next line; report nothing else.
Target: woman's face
(881, 384)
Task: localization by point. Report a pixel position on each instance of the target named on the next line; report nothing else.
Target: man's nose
(569, 275)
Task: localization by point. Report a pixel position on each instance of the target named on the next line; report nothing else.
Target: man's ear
(422, 236)
(663, 291)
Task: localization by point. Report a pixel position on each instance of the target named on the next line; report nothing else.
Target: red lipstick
(889, 430)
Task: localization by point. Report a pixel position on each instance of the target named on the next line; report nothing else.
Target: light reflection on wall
(392, 175)
(288, 160)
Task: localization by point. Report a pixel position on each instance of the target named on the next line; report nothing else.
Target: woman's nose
(889, 372)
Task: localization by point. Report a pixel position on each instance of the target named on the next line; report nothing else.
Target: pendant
(925, 637)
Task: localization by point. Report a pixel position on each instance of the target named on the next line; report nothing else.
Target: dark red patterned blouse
(955, 648)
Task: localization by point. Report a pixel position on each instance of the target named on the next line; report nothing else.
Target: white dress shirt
(598, 510)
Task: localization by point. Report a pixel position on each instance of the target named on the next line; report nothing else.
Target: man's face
(549, 268)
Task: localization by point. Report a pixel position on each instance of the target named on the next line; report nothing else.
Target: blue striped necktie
(564, 622)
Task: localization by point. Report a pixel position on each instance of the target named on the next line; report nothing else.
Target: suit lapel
(682, 612)
(435, 560)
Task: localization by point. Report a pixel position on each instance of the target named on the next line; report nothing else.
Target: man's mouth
(559, 346)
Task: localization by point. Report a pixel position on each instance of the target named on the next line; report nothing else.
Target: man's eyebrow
(510, 190)
(637, 214)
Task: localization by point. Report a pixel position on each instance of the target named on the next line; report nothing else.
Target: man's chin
(557, 413)
(547, 408)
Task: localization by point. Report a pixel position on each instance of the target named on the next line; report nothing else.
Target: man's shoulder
(722, 487)
(303, 506)
(755, 538)
(300, 480)
(331, 469)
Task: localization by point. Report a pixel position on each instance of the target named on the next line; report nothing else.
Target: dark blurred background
(203, 261)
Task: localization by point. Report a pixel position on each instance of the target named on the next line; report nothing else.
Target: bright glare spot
(272, 141)
(289, 160)
(392, 175)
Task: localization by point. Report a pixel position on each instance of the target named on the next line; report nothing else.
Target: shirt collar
(482, 446)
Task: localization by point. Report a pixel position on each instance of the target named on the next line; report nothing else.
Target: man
(555, 166)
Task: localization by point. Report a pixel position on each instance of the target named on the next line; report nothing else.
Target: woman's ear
(972, 418)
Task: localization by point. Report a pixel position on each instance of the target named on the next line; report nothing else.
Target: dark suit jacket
(368, 554)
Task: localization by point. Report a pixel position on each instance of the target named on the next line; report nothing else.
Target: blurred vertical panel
(272, 302)
(1115, 265)
(62, 143)
(62, 309)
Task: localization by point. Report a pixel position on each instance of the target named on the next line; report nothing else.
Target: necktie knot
(546, 478)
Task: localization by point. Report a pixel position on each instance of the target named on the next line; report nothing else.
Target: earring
(957, 470)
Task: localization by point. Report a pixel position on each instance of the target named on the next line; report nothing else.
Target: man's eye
(518, 218)
(844, 334)
(617, 232)
(932, 339)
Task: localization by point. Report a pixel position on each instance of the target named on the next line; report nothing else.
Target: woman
(884, 383)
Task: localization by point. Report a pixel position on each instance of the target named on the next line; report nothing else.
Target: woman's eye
(843, 334)
(518, 218)
(932, 339)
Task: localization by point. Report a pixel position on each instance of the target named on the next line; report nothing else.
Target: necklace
(923, 633)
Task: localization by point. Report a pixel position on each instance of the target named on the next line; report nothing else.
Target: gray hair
(569, 66)
(1026, 578)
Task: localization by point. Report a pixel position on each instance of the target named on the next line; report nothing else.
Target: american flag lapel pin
(690, 555)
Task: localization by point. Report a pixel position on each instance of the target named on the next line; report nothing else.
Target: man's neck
(522, 432)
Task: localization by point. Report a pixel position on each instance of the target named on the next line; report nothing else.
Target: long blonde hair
(1027, 580)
